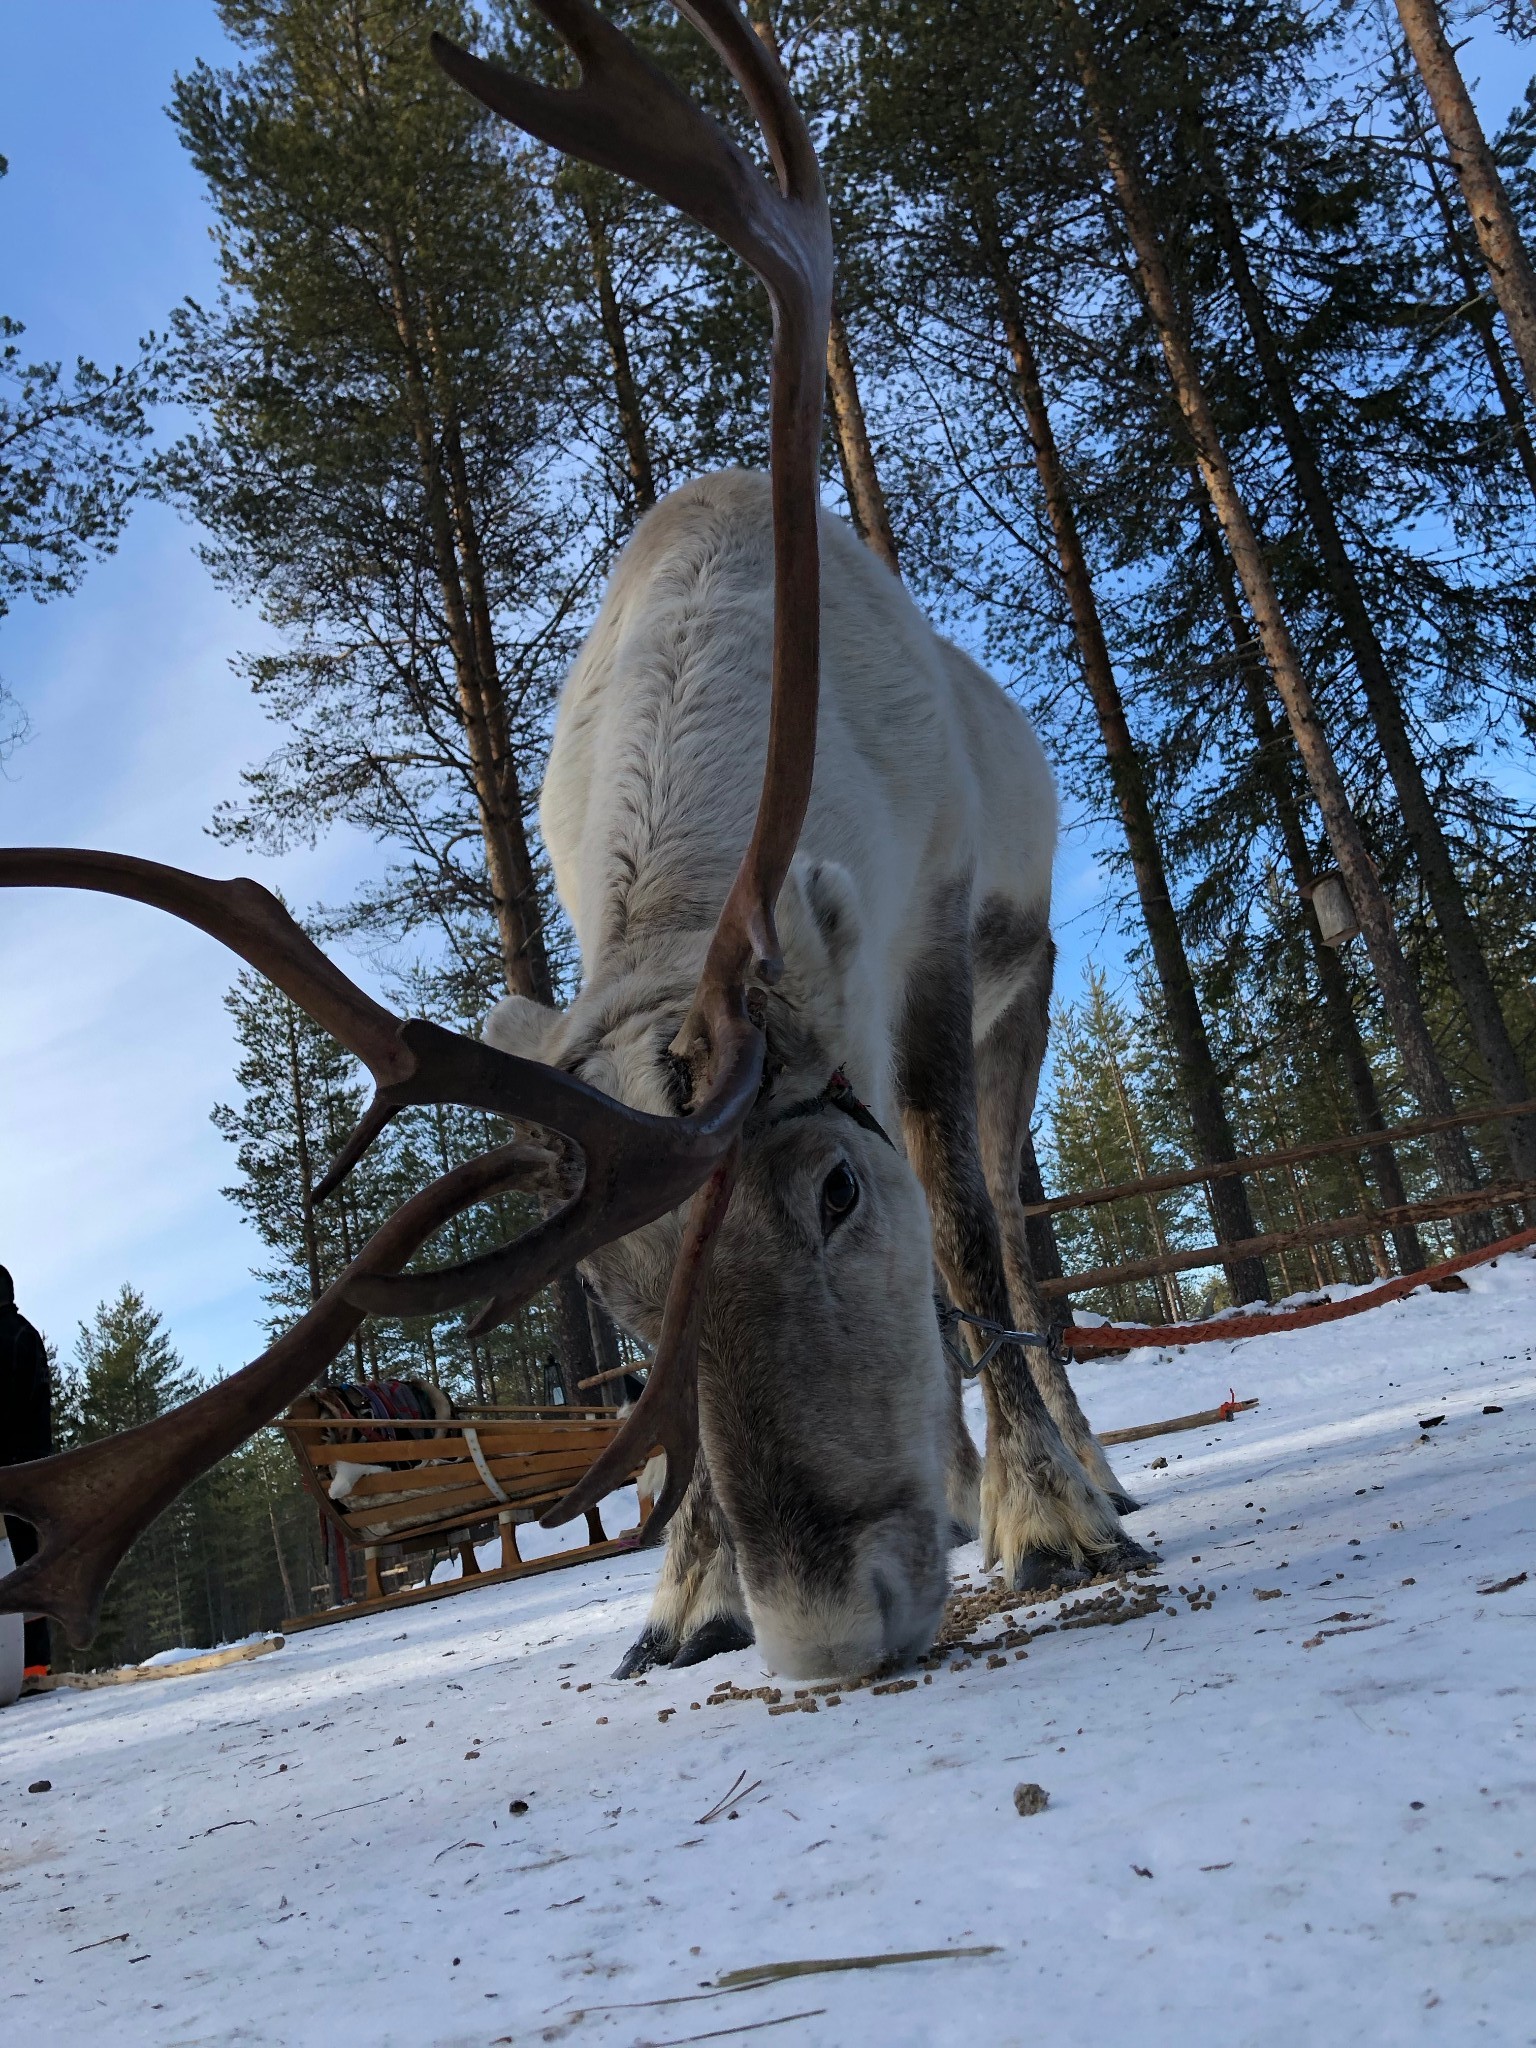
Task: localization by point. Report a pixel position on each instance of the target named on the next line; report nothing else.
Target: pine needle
(772, 1973)
(747, 2027)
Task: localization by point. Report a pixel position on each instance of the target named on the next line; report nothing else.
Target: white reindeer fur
(926, 772)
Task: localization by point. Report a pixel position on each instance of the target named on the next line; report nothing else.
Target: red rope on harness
(1083, 1343)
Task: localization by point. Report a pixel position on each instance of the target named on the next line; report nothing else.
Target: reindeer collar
(838, 1094)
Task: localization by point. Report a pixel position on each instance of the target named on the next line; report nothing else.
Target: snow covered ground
(1268, 1824)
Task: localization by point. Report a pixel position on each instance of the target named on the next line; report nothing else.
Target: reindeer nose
(887, 1611)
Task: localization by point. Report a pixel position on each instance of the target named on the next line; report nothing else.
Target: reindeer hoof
(1123, 1504)
(1131, 1556)
(1039, 1571)
(961, 1532)
(724, 1633)
(649, 1648)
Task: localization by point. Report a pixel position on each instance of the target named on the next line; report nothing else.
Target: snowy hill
(1301, 1813)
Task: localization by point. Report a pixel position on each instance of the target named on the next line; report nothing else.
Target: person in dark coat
(26, 1431)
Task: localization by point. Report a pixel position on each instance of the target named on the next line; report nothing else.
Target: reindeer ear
(520, 1025)
(821, 927)
(819, 909)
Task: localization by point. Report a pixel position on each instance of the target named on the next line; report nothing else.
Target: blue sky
(113, 1041)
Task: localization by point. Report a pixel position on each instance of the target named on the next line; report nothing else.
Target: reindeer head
(821, 1380)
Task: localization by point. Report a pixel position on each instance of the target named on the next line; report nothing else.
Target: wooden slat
(498, 1425)
(1258, 1162)
(535, 1456)
(414, 1596)
(1511, 1193)
(1102, 1340)
(450, 1449)
(550, 1471)
(381, 1532)
(465, 1500)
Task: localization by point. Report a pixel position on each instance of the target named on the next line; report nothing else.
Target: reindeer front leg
(698, 1609)
(1041, 1513)
(1007, 1071)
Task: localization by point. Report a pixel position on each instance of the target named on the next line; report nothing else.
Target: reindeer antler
(626, 116)
(89, 1504)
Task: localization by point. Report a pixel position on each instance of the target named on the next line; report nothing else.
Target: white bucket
(13, 1635)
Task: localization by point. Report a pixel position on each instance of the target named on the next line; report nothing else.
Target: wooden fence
(1365, 1223)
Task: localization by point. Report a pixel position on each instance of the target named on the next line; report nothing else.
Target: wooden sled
(411, 1484)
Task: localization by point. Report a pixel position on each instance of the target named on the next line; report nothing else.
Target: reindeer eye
(839, 1197)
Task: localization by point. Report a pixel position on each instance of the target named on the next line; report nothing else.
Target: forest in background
(1168, 370)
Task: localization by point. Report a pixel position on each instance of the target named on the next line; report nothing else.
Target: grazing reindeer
(917, 973)
(844, 1103)
(915, 927)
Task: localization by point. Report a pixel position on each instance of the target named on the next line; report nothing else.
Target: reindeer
(904, 1043)
(830, 1058)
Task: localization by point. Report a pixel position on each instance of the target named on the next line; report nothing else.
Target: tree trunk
(527, 964)
(637, 447)
(282, 1562)
(305, 1163)
(1493, 219)
(492, 770)
(866, 499)
(1475, 306)
(1214, 1142)
(1338, 1004)
(1167, 1283)
(1415, 1046)
(1039, 1232)
(1464, 954)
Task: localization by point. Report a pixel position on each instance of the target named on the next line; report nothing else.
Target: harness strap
(472, 1438)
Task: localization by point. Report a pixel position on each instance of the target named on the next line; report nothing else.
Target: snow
(620, 1511)
(1248, 1840)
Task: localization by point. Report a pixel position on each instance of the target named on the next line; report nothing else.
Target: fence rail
(1259, 1162)
(1368, 1223)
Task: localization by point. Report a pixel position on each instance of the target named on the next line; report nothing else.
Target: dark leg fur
(698, 1610)
(1039, 1509)
(1007, 1073)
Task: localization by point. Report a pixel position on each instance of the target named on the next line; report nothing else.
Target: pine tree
(72, 459)
(125, 1372)
(939, 124)
(376, 385)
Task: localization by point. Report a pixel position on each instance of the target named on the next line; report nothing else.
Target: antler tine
(628, 117)
(666, 1417)
(374, 1120)
(88, 1505)
(637, 1167)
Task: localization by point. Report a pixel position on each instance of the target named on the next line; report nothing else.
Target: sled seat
(405, 1486)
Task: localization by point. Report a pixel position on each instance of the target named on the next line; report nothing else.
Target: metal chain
(949, 1315)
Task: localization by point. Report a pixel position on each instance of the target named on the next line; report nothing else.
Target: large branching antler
(88, 1504)
(626, 116)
